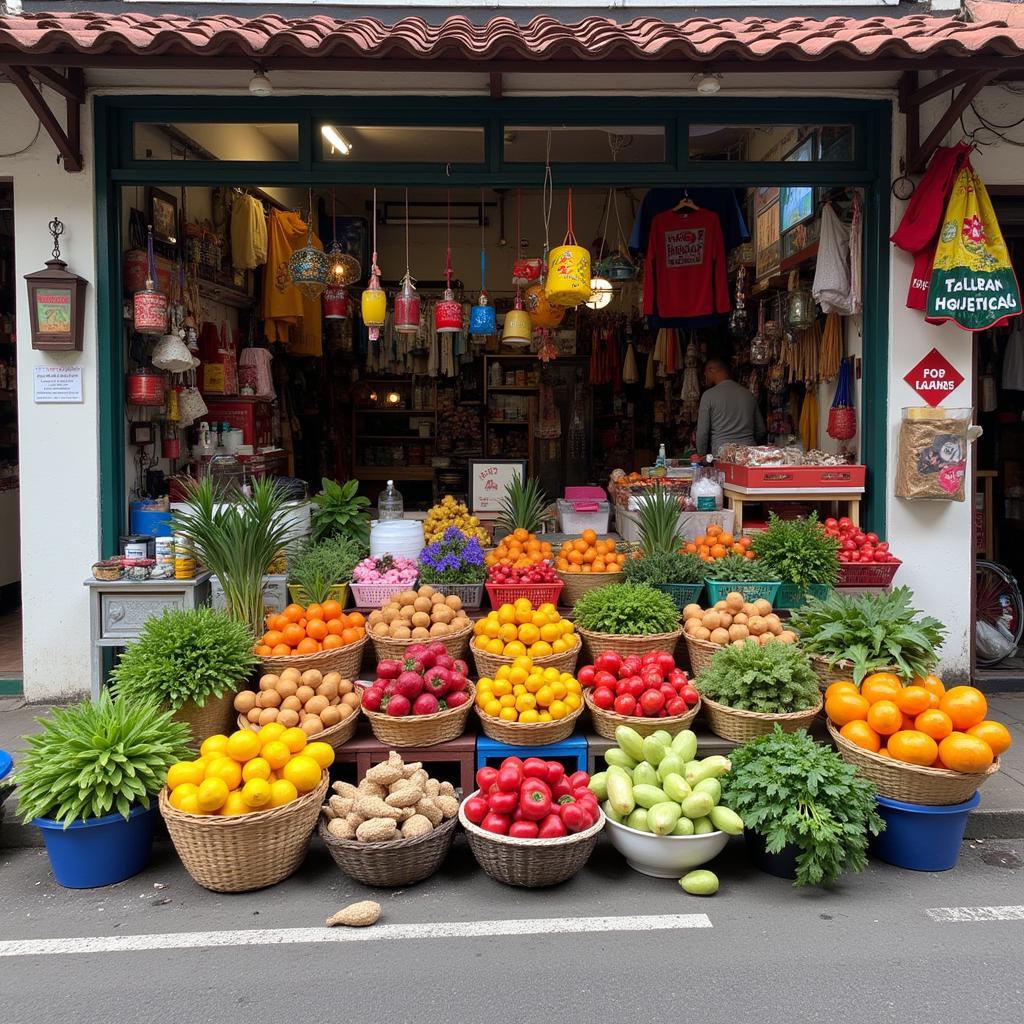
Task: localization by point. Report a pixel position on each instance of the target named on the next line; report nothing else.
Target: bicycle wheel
(999, 614)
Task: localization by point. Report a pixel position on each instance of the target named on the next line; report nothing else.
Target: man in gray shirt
(728, 411)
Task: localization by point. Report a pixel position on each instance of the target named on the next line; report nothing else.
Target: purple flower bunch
(455, 558)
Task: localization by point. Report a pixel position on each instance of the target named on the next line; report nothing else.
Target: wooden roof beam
(68, 142)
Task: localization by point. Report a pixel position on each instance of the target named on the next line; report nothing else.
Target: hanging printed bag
(972, 282)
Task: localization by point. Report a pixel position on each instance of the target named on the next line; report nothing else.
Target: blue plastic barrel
(99, 851)
(921, 837)
(149, 522)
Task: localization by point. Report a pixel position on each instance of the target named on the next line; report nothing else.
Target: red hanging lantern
(448, 312)
(407, 301)
(145, 386)
(336, 303)
(149, 306)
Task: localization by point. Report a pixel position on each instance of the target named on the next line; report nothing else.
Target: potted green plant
(87, 781)
(742, 575)
(455, 565)
(852, 635)
(191, 661)
(238, 540)
(808, 814)
(657, 519)
(749, 687)
(339, 510)
(678, 575)
(323, 569)
(801, 554)
(627, 618)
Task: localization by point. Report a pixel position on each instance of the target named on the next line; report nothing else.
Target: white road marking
(960, 915)
(377, 933)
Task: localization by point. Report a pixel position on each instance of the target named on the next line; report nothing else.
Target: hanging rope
(483, 256)
(374, 269)
(407, 233)
(448, 251)
(547, 196)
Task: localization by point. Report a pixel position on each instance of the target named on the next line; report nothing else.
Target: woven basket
(214, 717)
(530, 863)
(394, 863)
(606, 722)
(243, 852)
(454, 643)
(682, 593)
(374, 595)
(421, 730)
(336, 735)
(896, 780)
(528, 734)
(578, 583)
(740, 726)
(701, 652)
(345, 660)
(598, 642)
(488, 664)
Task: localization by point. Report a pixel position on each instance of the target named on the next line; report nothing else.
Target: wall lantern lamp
(56, 302)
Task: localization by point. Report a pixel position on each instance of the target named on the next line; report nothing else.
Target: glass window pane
(266, 143)
(624, 144)
(403, 144)
(771, 143)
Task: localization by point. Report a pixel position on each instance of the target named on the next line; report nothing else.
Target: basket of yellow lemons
(528, 704)
(524, 630)
(241, 814)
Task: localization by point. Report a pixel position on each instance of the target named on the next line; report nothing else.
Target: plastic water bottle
(389, 503)
(661, 456)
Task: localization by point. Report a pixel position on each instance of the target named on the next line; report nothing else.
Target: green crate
(791, 596)
(682, 593)
(718, 590)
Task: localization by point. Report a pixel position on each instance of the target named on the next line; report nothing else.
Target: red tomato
(476, 808)
(631, 665)
(604, 697)
(586, 675)
(602, 678)
(831, 523)
(652, 702)
(608, 661)
(872, 538)
(625, 705)
(676, 706)
(666, 663)
(635, 686)
(882, 556)
(668, 691)
(845, 522)
(689, 694)
(621, 687)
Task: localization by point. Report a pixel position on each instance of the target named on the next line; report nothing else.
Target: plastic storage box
(575, 516)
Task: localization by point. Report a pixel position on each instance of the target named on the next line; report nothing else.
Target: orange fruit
(965, 705)
(293, 634)
(912, 747)
(294, 739)
(276, 753)
(934, 723)
(995, 734)
(884, 753)
(264, 651)
(933, 684)
(332, 642)
(185, 772)
(348, 636)
(844, 686)
(331, 609)
(281, 651)
(862, 735)
(303, 773)
(880, 686)
(885, 718)
(355, 619)
(307, 646)
(912, 700)
(844, 707)
(963, 753)
(335, 627)
(314, 611)
(272, 638)
(277, 622)
(293, 612)
(317, 629)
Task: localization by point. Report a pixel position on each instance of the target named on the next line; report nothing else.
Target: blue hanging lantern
(483, 319)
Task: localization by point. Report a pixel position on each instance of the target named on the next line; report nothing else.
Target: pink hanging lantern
(448, 312)
(407, 301)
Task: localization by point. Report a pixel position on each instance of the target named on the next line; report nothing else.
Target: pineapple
(523, 506)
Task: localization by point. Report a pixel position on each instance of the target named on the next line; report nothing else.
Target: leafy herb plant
(874, 631)
(797, 551)
(325, 564)
(665, 567)
(339, 510)
(627, 610)
(455, 558)
(657, 521)
(775, 679)
(793, 791)
(97, 757)
(185, 654)
(737, 569)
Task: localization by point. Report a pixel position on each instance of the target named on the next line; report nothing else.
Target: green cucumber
(684, 743)
(598, 785)
(662, 818)
(671, 764)
(697, 805)
(638, 820)
(648, 796)
(619, 758)
(645, 775)
(676, 787)
(700, 883)
(630, 741)
(664, 735)
(703, 826)
(620, 793)
(726, 820)
(654, 750)
(710, 786)
(611, 812)
(684, 827)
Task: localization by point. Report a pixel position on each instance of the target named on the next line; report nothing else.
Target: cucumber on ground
(700, 883)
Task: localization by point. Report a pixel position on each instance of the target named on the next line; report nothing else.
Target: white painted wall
(58, 444)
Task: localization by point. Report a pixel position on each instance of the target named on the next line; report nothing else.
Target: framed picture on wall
(163, 215)
(488, 479)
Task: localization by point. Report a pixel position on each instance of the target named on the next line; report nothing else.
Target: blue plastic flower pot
(99, 851)
(921, 837)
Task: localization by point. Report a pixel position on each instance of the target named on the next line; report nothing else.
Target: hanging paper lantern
(601, 293)
(543, 313)
(149, 306)
(568, 280)
(374, 306)
(335, 303)
(448, 314)
(407, 308)
(518, 330)
(483, 320)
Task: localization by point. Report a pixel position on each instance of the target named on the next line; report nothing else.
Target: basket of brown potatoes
(732, 620)
(416, 616)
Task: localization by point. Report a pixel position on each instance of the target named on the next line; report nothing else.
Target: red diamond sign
(935, 378)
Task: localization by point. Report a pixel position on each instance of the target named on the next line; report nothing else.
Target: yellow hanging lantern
(543, 313)
(374, 303)
(518, 330)
(568, 281)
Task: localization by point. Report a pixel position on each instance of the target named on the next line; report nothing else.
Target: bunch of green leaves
(737, 569)
(325, 564)
(339, 510)
(793, 791)
(774, 679)
(237, 540)
(874, 631)
(798, 551)
(657, 521)
(98, 757)
(664, 567)
(626, 609)
(185, 654)
(522, 506)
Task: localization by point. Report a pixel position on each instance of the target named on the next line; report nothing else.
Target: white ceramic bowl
(664, 856)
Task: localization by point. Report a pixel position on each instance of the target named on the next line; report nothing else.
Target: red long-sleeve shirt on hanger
(686, 273)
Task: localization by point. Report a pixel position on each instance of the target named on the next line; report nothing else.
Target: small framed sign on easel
(488, 479)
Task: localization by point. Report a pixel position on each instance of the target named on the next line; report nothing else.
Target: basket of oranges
(719, 543)
(585, 563)
(241, 815)
(920, 743)
(319, 636)
(524, 630)
(527, 704)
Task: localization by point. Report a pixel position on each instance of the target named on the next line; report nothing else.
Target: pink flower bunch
(386, 569)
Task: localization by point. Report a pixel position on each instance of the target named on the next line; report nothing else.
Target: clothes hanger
(686, 203)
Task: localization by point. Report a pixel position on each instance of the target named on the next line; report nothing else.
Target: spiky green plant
(522, 506)
(237, 541)
(98, 757)
(657, 521)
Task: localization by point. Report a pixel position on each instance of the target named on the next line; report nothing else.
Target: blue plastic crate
(569, 751)
(790, 596)
(719, 590)
(682, 593)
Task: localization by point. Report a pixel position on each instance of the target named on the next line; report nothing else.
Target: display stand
(738, 496)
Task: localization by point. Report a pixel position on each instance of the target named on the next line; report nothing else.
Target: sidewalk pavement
(999, 816)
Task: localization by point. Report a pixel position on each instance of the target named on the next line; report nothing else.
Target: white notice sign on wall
(56, 384)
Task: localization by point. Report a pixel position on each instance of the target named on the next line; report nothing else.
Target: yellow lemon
(559, 646)
(282, 792)
(508, 631)
(257, 768)
(539, 619)
(558, 709)
(544, 716)
(506, 613)
(322, 753)
(185, 772)
(275, 753)
(211, 794)
(214, 746)
(517, 674)
(189, 804)
(518, 689)
(523, 615)
(507, 701)
(501, 687)
(547, 608)
(573, 686)
(513, 649)
(493, 708)
(483, 698)
(495, 646)
(478, 627)
(235, 804)
(529, 716)
(256, 793)
(227, 769)
(492, 629)
(554, 618)
(504, 672)
(558, 690)
(181, 792)
(243, 745)
(271, 731)
(540, 650)
(526, 702)
(529, 634)
(523, 662)
(573, 701)
(508, 714)
(294, 739)
(534, 682)
(481, 642)
(550, 632)
(485, 683)
(303, 773)
(545, 697)
(567, 627)
(551, 674)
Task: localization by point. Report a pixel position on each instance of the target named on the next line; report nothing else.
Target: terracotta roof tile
(542, 38)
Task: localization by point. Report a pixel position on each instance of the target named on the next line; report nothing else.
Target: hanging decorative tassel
(630, 373)
(690, 393)
(842, 417)
(809, 420)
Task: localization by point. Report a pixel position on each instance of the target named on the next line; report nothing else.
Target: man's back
(728, 415)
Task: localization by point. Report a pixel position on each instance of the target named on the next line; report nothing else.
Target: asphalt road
(867, 951)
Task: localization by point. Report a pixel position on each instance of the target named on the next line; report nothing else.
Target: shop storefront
(782, 145)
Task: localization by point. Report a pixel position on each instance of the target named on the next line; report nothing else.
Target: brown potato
(420, 633)
(400, 632)
(459, 623)
(740, 619)
(315, 705)
(711, 620)
(351, 700)
(289, 718)
(407, 598)
(327, 689)
(787, 636)
(721, 606)
(287, 687)
(390, 614)
(749, 610)
(439, 629)
(454, 602)
(268, 715)
(268, 682)
(312, 725)
(774, 623)
(345, 686)
(272, 699)
(719, 636)
(407, 612)
(381, 629)
(291, 673)
(346, 710)
(254, 715)
(692, 611)
(312, 677)
(330, 716)
(735, 601)
(738, 632)
(702, 633)
(304, 693)
(426, 591)
(420, 619)
(763, 607)
(291, 704)
(766, 638)
(757, 625)
(442, 613)
(726, 618)
(375, 617)
(333, 677)
(245, 702)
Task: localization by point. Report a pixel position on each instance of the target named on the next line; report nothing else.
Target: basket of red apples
(538, 583)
